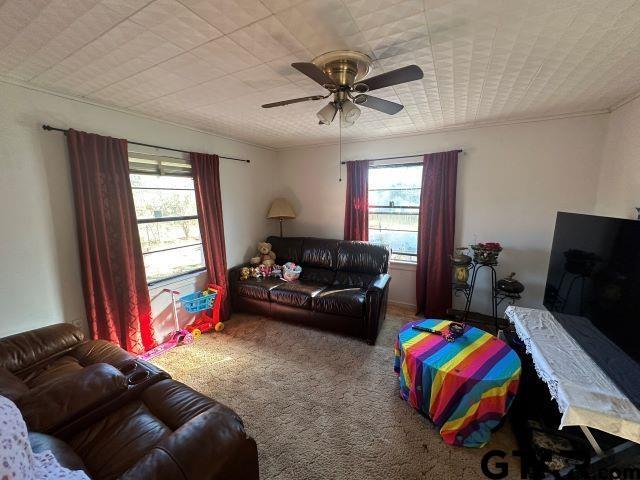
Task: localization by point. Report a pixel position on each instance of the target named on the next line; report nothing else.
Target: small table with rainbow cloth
(465, 387)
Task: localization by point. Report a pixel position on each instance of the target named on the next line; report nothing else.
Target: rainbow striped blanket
(464, 387)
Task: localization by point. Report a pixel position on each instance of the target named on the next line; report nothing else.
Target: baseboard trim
(401, 304)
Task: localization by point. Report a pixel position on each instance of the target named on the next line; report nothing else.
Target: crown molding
(622, 103)
(27, 86)
(465, 126)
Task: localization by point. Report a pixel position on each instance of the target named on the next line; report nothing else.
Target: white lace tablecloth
(585, 395)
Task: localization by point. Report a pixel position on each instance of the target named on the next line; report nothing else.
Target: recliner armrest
(208, 442)
(380, 282)
(25, 350)
(55, 403)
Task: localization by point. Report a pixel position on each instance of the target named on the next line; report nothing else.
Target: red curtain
(436, 229)
(114, 283)
(206, 178)
(356, 211)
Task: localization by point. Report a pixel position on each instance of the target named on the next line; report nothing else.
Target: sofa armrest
(376, 306)
(56, 403)
(100, 351)
(11, 386)
(28, 349)
(380, 282)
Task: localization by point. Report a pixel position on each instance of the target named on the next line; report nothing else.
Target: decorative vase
(510, 285)
(461, 263)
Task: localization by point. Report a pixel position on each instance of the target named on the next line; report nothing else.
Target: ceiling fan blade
(313, 72)
(394, 77)
(379, 104)
(293, 100)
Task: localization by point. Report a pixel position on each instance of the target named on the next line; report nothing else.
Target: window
(394, 203)
(167, 218)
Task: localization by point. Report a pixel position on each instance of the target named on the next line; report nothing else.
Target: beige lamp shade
(280, 208)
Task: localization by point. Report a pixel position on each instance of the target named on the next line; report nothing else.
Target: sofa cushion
(353, 279)
(340, 301)
(362, 257)
(113, 444)
(62, 451)
(286, 249)
(54, 403)
(319, 253)
(322, 276)
(11, 386)
(296, 294)
(257, 288)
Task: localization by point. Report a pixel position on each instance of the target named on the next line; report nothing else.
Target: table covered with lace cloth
(585, 395)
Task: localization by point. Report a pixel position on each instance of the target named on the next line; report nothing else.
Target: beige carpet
(323, 406)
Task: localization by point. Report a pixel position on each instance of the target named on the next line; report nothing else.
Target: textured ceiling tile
(226, 55)
(276, 6)
(176, 23)
(43, 26)
(87, 28)
(267, 39)
(228, 15)
(261, 77)
(337, 32)
(483, 60)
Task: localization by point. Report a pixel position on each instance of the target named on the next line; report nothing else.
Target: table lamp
(281, 209)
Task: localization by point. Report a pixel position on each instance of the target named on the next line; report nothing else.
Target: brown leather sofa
(344, 286)
(99, 409)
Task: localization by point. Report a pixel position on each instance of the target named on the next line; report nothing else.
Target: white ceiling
(210, 64)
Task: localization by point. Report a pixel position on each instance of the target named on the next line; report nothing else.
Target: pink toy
(178, 337)
(291, 271)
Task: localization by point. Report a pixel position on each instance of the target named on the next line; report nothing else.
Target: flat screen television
(593, 290)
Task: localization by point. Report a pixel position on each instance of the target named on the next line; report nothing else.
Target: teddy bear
(244, 273)
(265, 256)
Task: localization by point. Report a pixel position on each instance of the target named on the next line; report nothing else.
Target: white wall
(619, 183)
(40, 281)
(512, 180)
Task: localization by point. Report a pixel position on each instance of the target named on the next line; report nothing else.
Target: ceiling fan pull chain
(340, 147)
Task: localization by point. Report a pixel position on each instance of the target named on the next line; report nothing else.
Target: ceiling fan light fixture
(361, 88)
(350, 113)
(327, 113)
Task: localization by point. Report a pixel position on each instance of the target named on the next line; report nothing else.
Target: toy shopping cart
(208, 305)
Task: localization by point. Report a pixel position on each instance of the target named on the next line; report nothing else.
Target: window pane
(399, 242)
(398, 220)
(395, 177)
(173, 262)
(398, 197)
(160, 181)
(164, 203)
(162, 235)
(391, 191)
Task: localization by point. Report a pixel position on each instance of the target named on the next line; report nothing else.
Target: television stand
(584, 409)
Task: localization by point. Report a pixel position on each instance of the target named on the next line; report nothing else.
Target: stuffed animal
(255, 272)
(244, 273)
(265, 256)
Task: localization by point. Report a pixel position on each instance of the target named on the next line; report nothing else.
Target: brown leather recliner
(344, 285)
(115, 416)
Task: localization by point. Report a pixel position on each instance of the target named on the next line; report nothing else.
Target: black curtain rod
(395, 158)
(50, 128)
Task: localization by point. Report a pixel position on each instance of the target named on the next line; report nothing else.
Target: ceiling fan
(343, 73)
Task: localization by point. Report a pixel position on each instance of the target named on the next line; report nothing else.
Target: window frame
(155, 165)
(414, 256)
